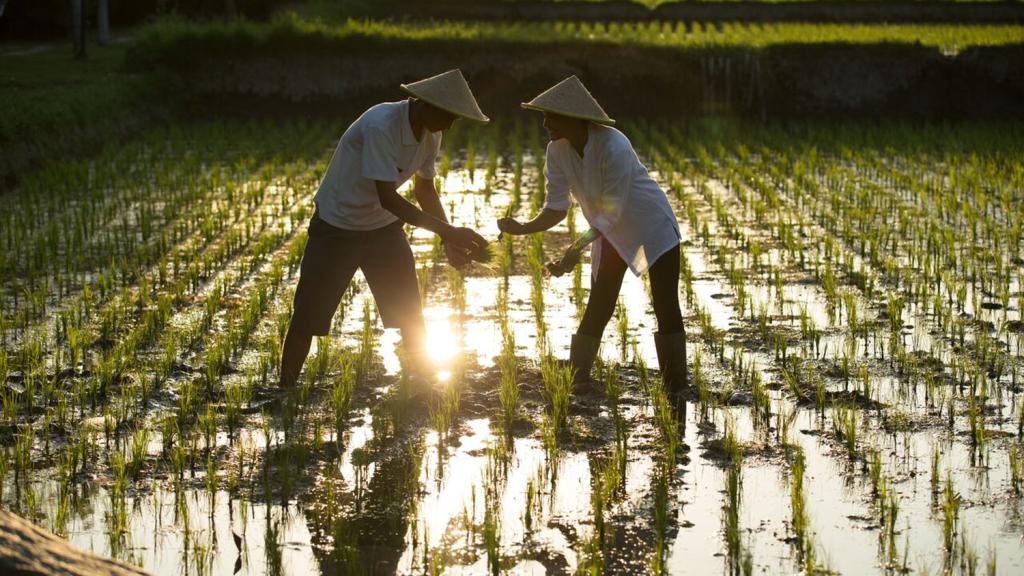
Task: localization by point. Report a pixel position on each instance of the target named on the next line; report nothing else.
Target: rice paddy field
(852, 295)
(324, 25)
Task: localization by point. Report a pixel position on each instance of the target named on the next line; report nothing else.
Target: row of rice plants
(850, 431)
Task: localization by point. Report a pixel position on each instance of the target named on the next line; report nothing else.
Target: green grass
(656, 3)
(712, 35)
(112, 91)
(51, 82)
(47, 91)
(334, 7)
(171, 40)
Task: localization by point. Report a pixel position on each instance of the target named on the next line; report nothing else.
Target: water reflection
(442, 339)
(404, 497)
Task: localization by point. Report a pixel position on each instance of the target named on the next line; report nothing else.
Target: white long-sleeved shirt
(616, 194)
(379, 145)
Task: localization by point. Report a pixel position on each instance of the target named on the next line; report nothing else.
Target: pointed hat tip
(450, 92)
(570, 98)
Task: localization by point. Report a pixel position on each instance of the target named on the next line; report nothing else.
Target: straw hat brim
(595, 120)
(433, 102)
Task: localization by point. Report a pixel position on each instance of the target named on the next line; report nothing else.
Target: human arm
(547, 218)
(429, 201)
(426, 196)
(556, 202)
(407, 212)
(379, 160)
(573, 253)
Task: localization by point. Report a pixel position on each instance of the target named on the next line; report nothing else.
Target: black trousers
(331, 259)
(604, 291)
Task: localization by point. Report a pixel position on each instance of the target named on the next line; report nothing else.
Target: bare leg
(390, 270)
(414, 341)
(293, 356)
(414, 350)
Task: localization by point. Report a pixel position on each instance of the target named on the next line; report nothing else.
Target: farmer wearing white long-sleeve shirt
(359, 215)
(595, 164)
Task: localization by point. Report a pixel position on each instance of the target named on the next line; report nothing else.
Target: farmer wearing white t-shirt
(630, 218)
(359, 215)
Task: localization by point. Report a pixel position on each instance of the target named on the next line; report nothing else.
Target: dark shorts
(331, 259)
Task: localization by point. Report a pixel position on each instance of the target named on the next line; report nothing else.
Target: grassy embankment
(314, 28)
(58, 106)
(55, 105)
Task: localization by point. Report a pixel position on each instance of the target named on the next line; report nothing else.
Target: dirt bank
(28, 550)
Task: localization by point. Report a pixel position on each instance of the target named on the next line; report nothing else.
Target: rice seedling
(845, 425)
(976, 422)
(341, 395)
(139, 450)
(273, 547)
(656, 563)
(992, 563)
(210, 479)
(761, 408)
(736, 556)
(608, 478)
(557, 381)
(457, 285)
(887, 538)
(798, 504)
(509, 392)
(535, 258)
(367, 343)
(492, 540)
(622, 328)
(321, 361)
(865, 383)
(443, 409)
(950, 517)
(1016, 466)
(494, 477)
(784, 419)
(236, 396)
(898, 233)
(705, 398)
(4, 469)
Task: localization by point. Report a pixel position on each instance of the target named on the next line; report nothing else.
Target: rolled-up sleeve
(380, 155)
(556, 185)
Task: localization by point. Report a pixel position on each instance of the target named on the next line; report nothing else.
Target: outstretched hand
(572, 255)
(511, 226)
(569, 261)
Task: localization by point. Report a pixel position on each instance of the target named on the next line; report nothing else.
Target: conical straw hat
(570, 98)
(450, 92)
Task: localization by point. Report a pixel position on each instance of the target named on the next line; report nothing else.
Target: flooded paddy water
(852, 300)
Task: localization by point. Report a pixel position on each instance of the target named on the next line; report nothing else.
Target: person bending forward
(635, 227)
(357, 223)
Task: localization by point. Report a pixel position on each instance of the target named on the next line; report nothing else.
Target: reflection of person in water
(359, 215)
(368, 537)
(633, 225)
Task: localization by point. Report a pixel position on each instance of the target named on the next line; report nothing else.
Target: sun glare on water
(442, 340)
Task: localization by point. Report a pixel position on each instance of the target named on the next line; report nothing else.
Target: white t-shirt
(616, 194)
(379, 145)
